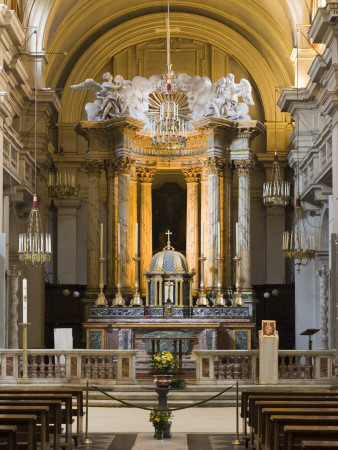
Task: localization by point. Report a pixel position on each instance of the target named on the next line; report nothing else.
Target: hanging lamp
(168, 111)
(34, 244)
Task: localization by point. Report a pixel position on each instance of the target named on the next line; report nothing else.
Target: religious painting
(169, 213)
(269, 328)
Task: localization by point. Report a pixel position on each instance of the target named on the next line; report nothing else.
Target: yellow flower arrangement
(164, 361)
(159, 418)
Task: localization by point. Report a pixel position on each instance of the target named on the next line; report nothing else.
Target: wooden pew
(279, 421)
(54, 416)
(27, 421)
(42, 413)
(268, 412)
(292, 433)
(66, 399)
(318, 445)
(75, 391)
(8, 436)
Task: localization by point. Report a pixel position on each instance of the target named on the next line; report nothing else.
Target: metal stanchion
(237, 441)
(86, 440)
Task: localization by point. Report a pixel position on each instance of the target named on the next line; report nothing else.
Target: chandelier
(168, 111)
(61, 184)
(34, 245)
(297, 244)
(276, 193)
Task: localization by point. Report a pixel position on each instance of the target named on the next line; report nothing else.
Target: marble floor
(192, 429)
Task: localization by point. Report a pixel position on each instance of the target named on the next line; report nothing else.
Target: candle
(24, 300)
(136, 239)
(202, 238)
(236, 238)
(101, 241)
(219, 239)
(118, 239)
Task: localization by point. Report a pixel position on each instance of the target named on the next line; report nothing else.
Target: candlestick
(118, 239)
(219, 239)
(237, 246)
(202, 238)
(136, 239)
(24, 300)
(101, 241)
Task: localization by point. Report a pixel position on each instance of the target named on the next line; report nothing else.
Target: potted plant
(163, 362)
(159, 419)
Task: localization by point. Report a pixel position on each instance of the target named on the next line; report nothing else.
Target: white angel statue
(111, 95)
(224, 102)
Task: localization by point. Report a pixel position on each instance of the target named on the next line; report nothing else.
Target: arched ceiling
(259, 33)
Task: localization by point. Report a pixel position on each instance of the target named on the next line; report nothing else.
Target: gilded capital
(111, 168)
(192, 174)
(124, 164)
(94, 167)
(213, 165)
(145, 174)
(244, 167)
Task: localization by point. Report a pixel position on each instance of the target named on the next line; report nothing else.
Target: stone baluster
(244, 168)
(212, 166)
(124, 166)
(111, 224)
(13, 275)
(192, 177)
(93, 169)
(324, 284)
(145, 176)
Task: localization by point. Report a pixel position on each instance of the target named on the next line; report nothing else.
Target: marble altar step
(140, 396)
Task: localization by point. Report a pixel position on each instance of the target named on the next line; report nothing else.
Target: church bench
(318, 445)
(279, 421)
(297, 433)
(27, 422)
(54, 416)
(66, 400)
(75, 391)
(8, 437)
(266, 434)
(42, 413)
(257, 402)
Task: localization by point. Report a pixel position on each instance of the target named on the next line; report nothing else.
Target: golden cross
(168, 233)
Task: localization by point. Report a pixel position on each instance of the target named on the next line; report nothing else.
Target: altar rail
(294, 366)
(118, 366)
(69, 366)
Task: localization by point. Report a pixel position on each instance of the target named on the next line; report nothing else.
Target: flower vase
(158, 433)
(162, 380)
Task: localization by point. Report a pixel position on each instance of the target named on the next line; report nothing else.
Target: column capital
(244, 167)
(110, 167)
(213, 165)
(145, 174)
(192, 174)
(124, 164)
(93, 167)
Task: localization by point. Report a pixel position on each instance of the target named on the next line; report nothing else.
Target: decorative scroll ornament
(298, 245)
(34, 245)
(276, 193)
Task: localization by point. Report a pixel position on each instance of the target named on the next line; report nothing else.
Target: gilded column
(212, 166)
(192, 177)
(227, 225)
(145, 176)
(124, 166)
(93, 169)
(111, 224)
(244, 168)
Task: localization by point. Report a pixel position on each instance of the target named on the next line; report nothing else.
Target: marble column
(132, 226)
(227, 225)
(145, 176)
(192, 176)
(324, 285)
(244, 168)
(124, 167)
(13, 329)
(111, 224)
(93, 169)
(212, 167)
